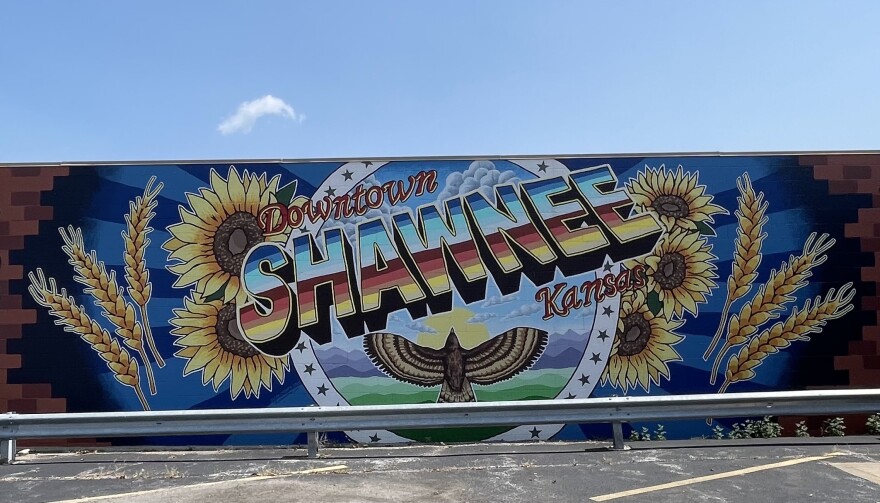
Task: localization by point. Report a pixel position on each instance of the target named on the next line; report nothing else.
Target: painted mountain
(564, 350)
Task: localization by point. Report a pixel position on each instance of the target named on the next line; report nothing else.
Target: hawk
(453, 366)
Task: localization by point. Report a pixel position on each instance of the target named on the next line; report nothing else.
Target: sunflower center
(229, 336)
(671, 271)
(238, 241)
(234, 237)
(671, 206)
(634, 336)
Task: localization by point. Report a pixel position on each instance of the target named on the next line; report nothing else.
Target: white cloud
(482, 175)
(524, 310)
(495, 301)
(482, 317)
(248, 112)
(418, 326)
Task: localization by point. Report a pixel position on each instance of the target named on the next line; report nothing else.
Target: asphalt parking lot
(829, 469)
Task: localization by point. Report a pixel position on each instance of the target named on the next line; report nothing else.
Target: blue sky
(92, 80)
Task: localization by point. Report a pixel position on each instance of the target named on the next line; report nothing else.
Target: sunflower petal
(253, 372)
(192, 275)
(188, 233)
(199, 322)
(236, 190)
(221, 188)
(201, 358)
(216, 282)
(190, 251)
(204, 210)
(216, 203)
(222, 372)
(193, 219)
(172, 244)
(203, 337)
(239, 373)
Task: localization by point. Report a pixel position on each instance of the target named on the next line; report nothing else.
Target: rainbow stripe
(382, 268)
(507, 225)
(311, 273)
(555, 215)
(434, 234)
(606, 202)
(259, 325)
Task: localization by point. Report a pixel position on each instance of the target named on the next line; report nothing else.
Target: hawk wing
(505, 355)
(404, 360)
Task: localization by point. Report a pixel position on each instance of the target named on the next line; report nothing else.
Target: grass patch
(534, 385)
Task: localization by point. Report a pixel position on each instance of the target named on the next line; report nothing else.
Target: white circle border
(593, 360)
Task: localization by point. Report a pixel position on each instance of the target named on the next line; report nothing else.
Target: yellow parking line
(707, 478)
(204, 484)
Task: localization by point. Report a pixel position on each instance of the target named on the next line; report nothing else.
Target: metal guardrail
(311, 420)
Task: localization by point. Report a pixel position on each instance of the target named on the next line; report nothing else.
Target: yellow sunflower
(675, 197)
(217, 230)
(681, 271)
(642, 346)
(209, 338)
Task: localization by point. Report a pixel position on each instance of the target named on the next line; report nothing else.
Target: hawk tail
(448, 395)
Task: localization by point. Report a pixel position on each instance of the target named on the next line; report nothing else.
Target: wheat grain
(751, 217)
(773, 296)
(75, 320)
(797, 327)
(107, 294)
(137, 222)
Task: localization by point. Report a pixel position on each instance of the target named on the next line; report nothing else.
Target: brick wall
(858, 174)
(854, 174)
(20, 214)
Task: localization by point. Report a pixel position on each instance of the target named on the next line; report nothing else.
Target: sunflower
(681, 271)
(217, 230)
(642, 345)
(211, 341)
(675, 197)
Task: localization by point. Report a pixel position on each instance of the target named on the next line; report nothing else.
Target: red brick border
(854, 174)
(858, 174)
(21, 212)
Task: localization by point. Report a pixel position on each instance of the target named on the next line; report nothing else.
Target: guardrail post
(312, 437)
(617, 431)
(7, 451)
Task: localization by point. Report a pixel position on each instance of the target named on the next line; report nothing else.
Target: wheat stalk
(751, 217)
(137, 220)
(74, 319)
(797, 327)
(774, 295)
(107, 294)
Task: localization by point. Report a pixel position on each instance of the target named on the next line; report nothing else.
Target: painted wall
(419, 281)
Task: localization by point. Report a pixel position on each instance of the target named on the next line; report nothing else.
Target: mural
(139, 287)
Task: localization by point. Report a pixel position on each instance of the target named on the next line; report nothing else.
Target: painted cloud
(482, 175)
